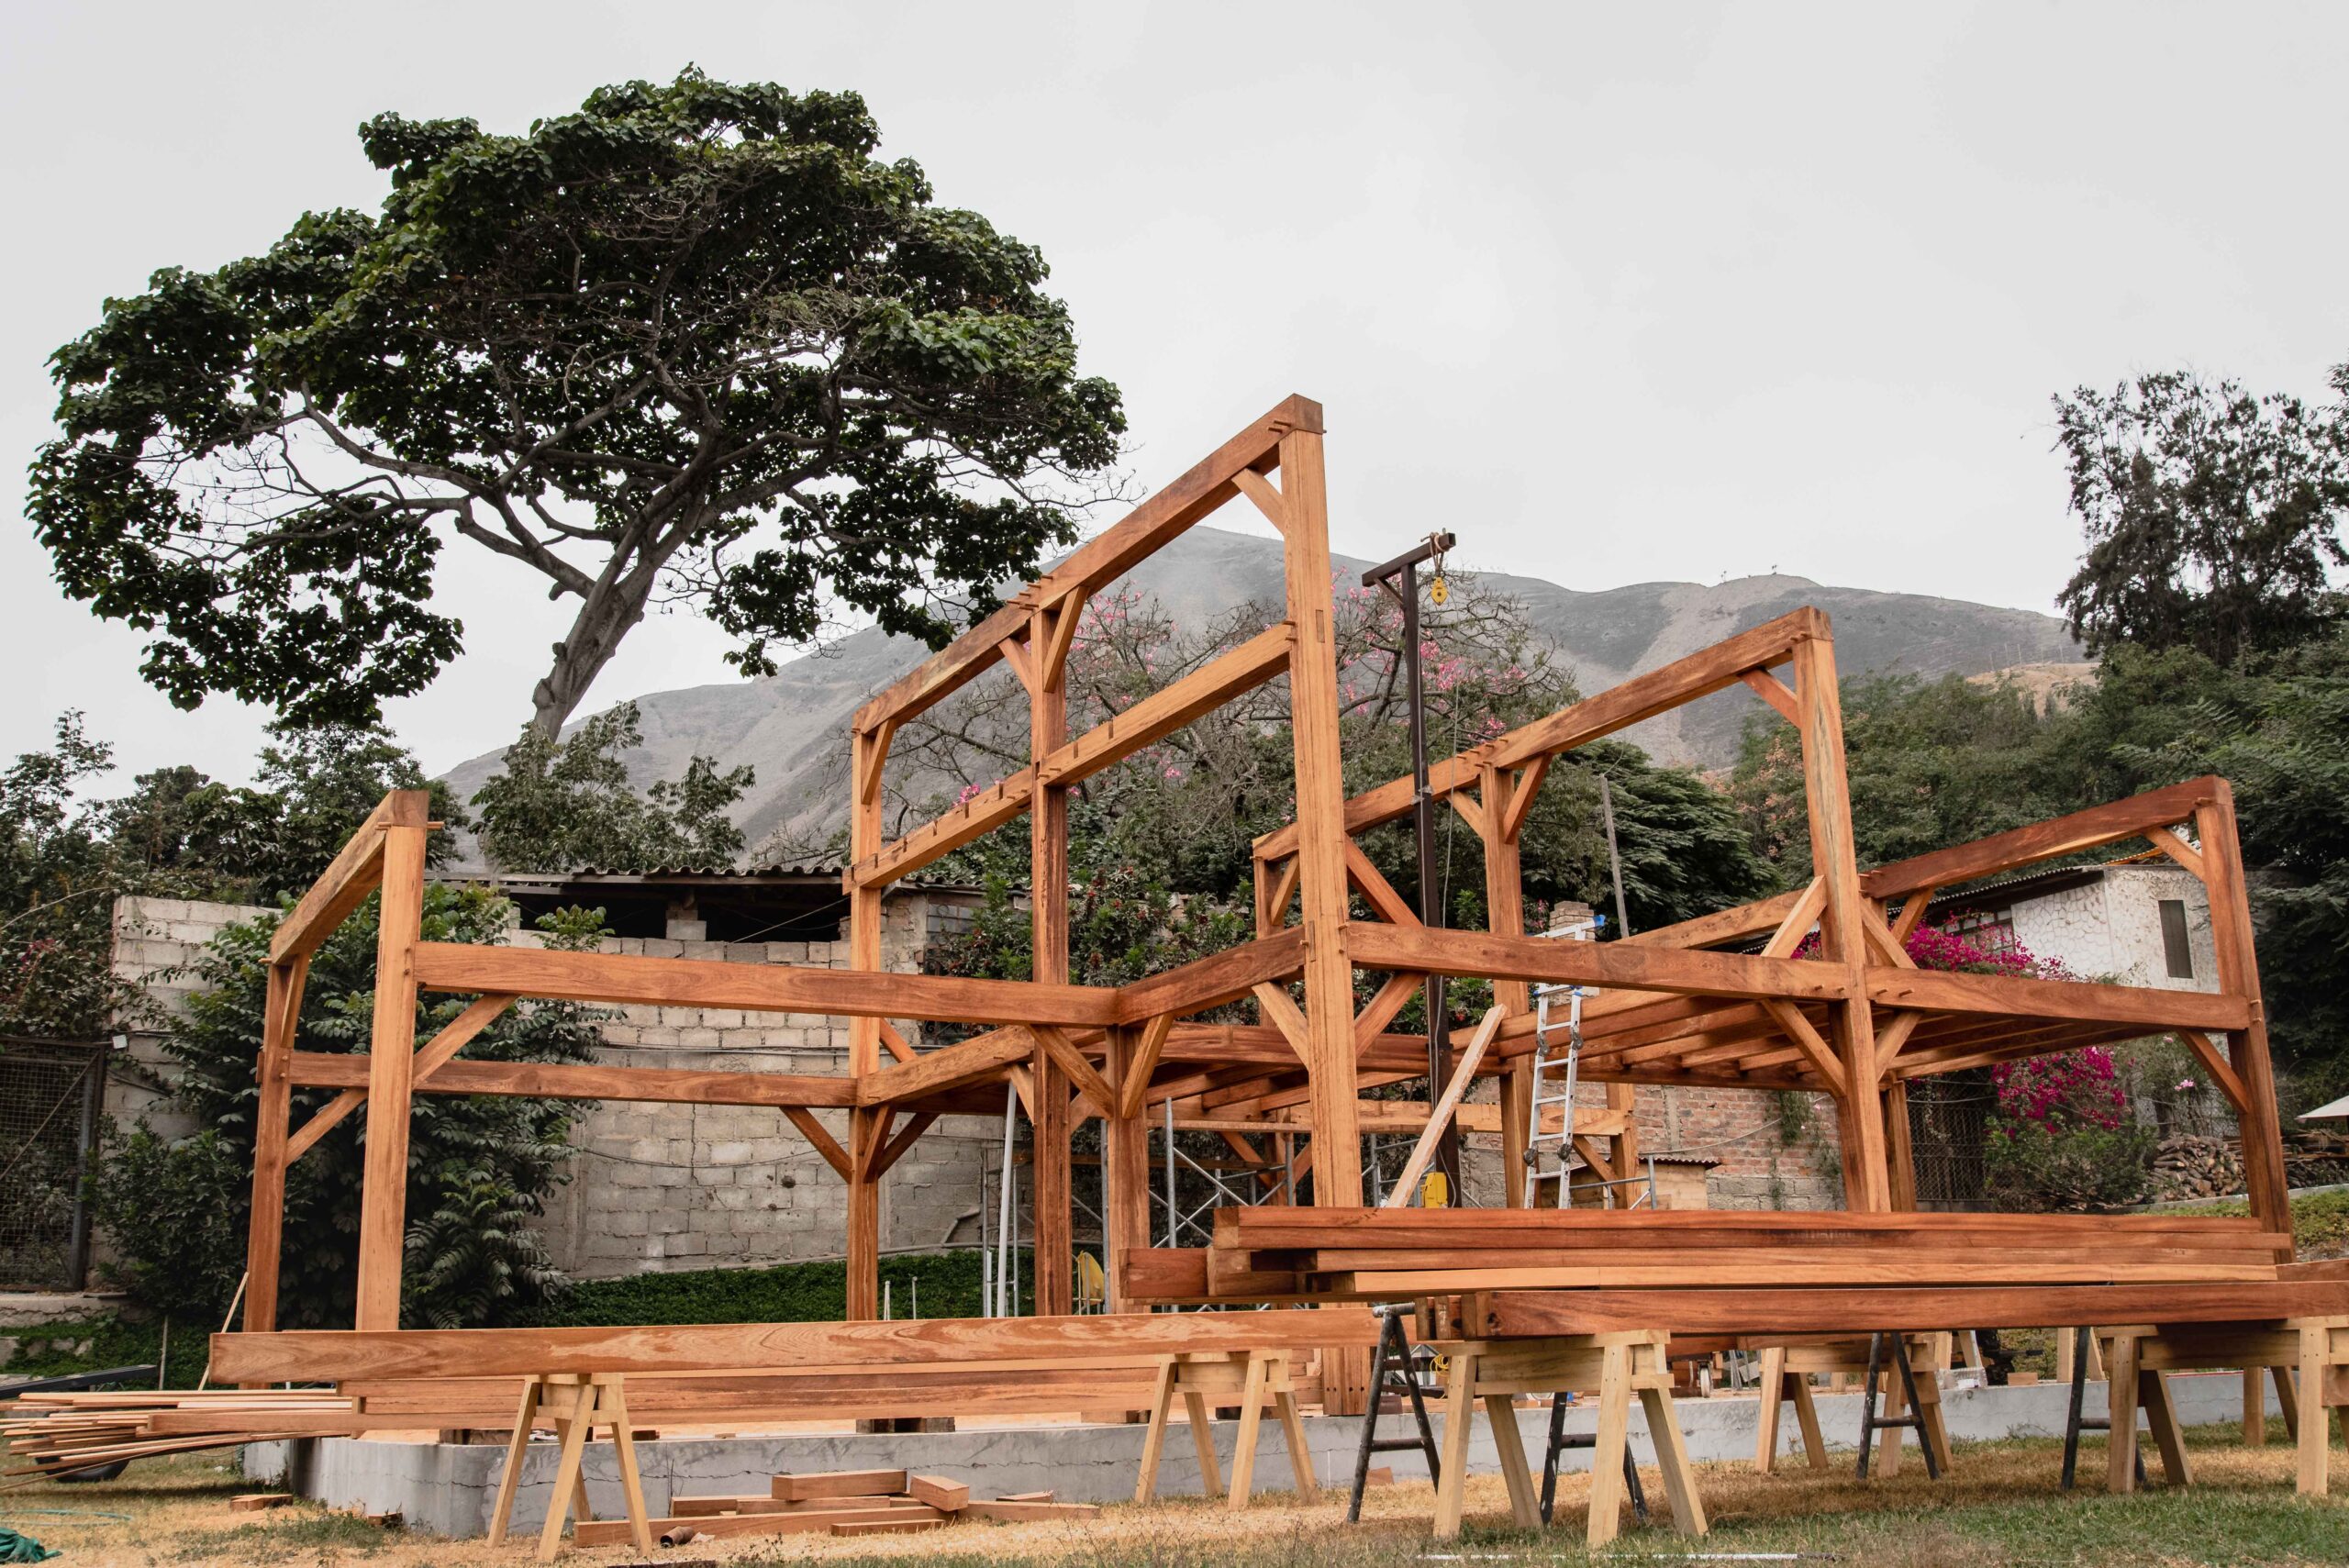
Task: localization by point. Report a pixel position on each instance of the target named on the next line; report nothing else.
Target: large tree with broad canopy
(695, 342)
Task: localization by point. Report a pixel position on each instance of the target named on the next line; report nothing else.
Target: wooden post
(869, 753)
(1859, 1119)
(2230, 942)
(274, 1075)
(1320, 824)
(1321, 865)
(1505, 915)
(1899, 1148)
(391, 1061)
(1048, 922)
(1124, 1143)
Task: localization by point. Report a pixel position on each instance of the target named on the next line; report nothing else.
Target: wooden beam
(1521, 797)
(1432, 952)
(2180, 850)
(1146, 723)
(579, 1081)
(1109, 556)
(2215, 1063)
(1891, 1308)
(274, 1080)
(1423, 1153)
(340, 1355)
(1798, 922)
(1892, 1036)
(1133, 1079)
(916, 1125)
(1267, 500)
(2097, 825)
(1072, 1064)
(2238, 966)
(1372, 883)
(821, 1141)
(1280, 1010)
(1814, 1046)
(1772, 690)
(348, 878)
(1641, 697)
(430, 1058)
(758, 987)
(2156, 1009)
(1222, 977)
(974, 1061)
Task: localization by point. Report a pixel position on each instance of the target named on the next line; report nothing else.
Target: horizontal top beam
(757, 987)
(586, 1081)
(1641, 697)
(1101, 562)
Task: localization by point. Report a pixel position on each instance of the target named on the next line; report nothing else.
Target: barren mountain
(791, 726)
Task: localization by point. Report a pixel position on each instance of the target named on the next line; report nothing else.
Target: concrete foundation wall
(448, 1489)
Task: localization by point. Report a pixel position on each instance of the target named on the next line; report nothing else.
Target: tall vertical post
(1859, 1115)
(273, 1079)
(1048, 915)
(869, 753)
(391, 1066)
(2238, 964)
(1321, 862)
(1320, 824)
(1505, 916)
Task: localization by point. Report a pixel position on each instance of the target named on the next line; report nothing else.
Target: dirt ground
(2003, 1506)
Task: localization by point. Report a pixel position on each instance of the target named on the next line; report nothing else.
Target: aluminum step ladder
(1551, 1068)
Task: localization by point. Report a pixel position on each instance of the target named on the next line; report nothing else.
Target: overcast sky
(1617, 293)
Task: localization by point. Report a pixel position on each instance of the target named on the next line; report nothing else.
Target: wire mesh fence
(1948, 1127)
(50, 1096)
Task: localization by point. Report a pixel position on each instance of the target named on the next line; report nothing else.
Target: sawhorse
(1250, 1379)
(575, 1403)
(1788, 1363)
(1616, 1366)
(2136, 1355)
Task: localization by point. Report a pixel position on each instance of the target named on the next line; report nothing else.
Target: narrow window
(2174, 947)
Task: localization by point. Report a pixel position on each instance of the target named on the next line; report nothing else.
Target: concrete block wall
(653, 1186)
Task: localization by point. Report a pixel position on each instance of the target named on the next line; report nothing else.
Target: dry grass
(2002, 1507)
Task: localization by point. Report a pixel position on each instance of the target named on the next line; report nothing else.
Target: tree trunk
(596, 633)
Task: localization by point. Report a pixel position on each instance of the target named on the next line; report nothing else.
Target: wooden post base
(2137, 1355)
(1250, 1379)
(1787, 1365)
(574, 1404)
(1616, 1366)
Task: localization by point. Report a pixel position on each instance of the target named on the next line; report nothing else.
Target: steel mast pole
(1432, 912)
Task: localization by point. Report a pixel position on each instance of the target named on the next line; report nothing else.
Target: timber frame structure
(1855, 1022)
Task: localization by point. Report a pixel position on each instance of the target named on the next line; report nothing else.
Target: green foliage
(1931, 762)
(693, 341)
(2213, 518)
(58, 879)
(479, 1166)
(2033, 1167)
(311, 787)
(945, 1283)
(563, 805)
(67, 1345)
(162, 1203)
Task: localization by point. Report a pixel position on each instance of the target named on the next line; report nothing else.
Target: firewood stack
(2186, 1166)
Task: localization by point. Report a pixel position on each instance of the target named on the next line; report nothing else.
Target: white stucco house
(2132, 922)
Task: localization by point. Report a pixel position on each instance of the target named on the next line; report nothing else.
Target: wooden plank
(348, 878)
(1425, 950)
(758, 987)
(311, 1355)
(1423, 1153)
(1532, 1313)
(579, 1081)
(1209, 982)
(274, 1075)
(1102, 561)
(1010, 1510)
(980, 1059)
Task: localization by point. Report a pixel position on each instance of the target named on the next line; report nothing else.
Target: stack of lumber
(838, 1502)
(49, 1433)
(1397, 1255)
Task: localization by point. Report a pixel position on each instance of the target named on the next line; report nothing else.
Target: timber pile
(2186, 1166)
(53, 1433)
(838, 1502)
(1400, 1254)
